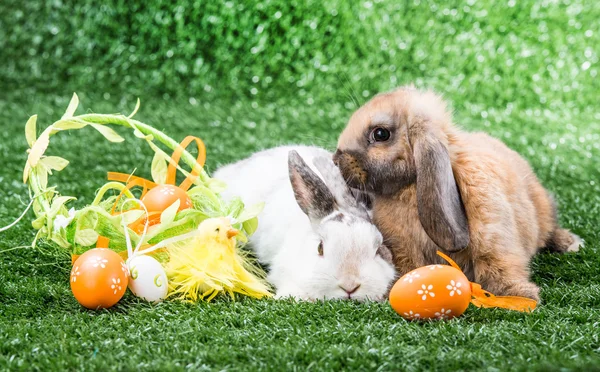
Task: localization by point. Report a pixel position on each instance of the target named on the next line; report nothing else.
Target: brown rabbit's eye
(320, 249)
(380, 134)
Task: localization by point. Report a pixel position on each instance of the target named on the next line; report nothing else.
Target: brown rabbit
(435, 185)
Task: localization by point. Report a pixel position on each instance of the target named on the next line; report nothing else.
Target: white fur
(287, 241)
(577, 243)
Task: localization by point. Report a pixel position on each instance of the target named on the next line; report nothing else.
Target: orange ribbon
(132, 181)
(483, 298)
(200, 159)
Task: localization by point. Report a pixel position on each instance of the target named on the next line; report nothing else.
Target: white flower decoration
(124, 269)
(433, 267)
(75, 273)
(99, 261)
(443, 314)
(61, 222)
(167, 191)
(411, 276)
(411, 315)
(426, 290)
(116, 286)
(454, 287)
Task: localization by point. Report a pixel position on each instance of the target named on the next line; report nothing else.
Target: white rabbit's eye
(380, 134)
(320, 249)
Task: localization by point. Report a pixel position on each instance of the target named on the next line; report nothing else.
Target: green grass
(525, 74)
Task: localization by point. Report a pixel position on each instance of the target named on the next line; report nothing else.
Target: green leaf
(57, 203)
(68, 124)
(72, 107)
(42, 176)
(26, 172)
(135, 110)
(131, 216)
(250, 225)
(159, 169)
(251, 212)
(87, 219)
(176, 228)
(30, 131)
(168, 216)
(108, 133)
(86, 237)
(217, 186)
(61, 241)
(38, 149)
(39, 222)
(235, 207)
(54, 162)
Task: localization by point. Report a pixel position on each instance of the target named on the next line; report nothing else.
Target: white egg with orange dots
(444, 292)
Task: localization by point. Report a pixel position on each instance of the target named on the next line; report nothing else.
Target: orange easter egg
(162, 197)
(99, 278)
(431, 292)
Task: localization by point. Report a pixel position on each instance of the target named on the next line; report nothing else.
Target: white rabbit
(316, 238)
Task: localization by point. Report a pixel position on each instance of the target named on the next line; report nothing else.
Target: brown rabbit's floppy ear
(312, 195)
(441, 210)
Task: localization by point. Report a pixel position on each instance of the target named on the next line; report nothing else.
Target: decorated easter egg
(162, 197)
(99, 278)
(147, 278)
(431, 292)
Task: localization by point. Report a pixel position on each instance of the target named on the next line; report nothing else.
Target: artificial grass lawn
(44, 327)
(246, 77)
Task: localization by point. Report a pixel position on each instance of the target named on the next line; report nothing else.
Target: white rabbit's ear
(312, 195)
(354, 200)
(335, 181)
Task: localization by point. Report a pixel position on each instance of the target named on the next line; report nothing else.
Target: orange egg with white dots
(431, 292)
(157, 200)
(99, 278)
(162, 197)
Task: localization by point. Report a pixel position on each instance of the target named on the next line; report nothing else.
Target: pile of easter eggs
(100, 276)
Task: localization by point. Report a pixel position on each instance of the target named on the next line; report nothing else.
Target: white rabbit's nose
(349, 287)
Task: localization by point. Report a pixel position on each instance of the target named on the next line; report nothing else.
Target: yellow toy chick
(209, 263)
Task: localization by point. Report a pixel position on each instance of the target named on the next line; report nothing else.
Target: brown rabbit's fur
(420, 176)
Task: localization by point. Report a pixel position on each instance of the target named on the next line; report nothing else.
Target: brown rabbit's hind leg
(505, 276)
(562, 241)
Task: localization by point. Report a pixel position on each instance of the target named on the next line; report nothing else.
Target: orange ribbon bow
(132, 181)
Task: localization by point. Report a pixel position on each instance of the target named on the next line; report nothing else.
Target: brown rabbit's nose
(336, 157)
(349, 288)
